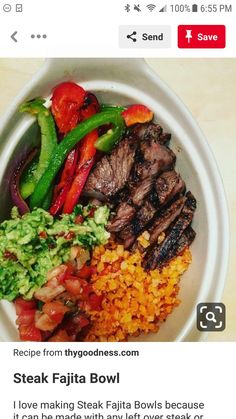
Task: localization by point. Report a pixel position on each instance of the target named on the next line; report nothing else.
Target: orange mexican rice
(134, 301)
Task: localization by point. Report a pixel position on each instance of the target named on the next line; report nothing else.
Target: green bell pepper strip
(48, 143)
(27, 181)
(48, 199)
(69, 142)
(107, 141)
(104, 107)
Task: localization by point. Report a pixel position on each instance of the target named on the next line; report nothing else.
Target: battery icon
(194, 8)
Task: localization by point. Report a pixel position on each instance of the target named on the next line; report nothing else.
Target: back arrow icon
(13, 36)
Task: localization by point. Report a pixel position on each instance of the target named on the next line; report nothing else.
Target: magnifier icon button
(210, 316)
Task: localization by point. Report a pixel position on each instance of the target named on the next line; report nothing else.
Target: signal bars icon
(164, 9)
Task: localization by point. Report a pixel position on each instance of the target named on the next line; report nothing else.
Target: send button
(144, 36)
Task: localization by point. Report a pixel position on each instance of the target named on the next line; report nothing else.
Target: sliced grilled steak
(141, 219)
(140, 191)
(112, 172)
(164, 138)
(167, 186)
(184, 241)
(165, 219)
(125, 213)
(151, 131)
(127, 237)
(152, 160)
(155, 256)
(148, 131)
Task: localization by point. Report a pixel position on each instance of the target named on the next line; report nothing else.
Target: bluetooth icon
(127, 8)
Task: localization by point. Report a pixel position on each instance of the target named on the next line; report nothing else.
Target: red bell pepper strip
(87, 157)
(70, 166)
(84, 167)
(88, 108)
(67, 100)
(62, 189)
(137, 114)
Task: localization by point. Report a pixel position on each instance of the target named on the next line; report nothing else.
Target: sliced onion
(15, 183)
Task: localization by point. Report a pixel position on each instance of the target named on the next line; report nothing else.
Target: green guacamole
(33, 244)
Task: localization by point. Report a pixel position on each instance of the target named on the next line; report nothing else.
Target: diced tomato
(30, 333)
(137, 114)
(9, 255)
(22, 305)
(82, 320)
(67, 99)
(43, 235)
(87, 289)
(73, 286)
(75, 323)
(60, 336)
(79, 219)
(91, 212)
(26, 317)
(95, 301)
(45, 324)
(48, 293)
(61, 234)
(70, 235)
(55, 310)
(85, 272)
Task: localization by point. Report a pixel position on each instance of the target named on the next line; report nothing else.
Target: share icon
(132, 36)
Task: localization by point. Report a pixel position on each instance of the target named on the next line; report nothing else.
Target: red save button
(201, 36)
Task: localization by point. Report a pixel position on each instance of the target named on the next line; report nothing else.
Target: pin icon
(188, 35)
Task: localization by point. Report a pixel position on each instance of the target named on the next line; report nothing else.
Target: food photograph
(115, 222)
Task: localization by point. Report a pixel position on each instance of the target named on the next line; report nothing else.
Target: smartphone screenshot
(117, 209)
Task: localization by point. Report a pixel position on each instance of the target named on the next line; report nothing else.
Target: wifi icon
(151, 7)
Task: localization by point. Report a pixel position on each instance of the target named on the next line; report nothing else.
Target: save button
(201, 36)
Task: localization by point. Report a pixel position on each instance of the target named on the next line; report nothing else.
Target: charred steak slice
(153, 159)
(148, 131)
(112, 172)
(127, 237)
(140, 191)
(165, 219)
(167, 186)
(141, 219)
(125, 213)
(151, 131)
(155, 256)
(184, 241)
(164, 138)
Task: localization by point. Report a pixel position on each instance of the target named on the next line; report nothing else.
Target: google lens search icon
(211, 317)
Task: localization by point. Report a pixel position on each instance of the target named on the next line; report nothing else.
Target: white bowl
(126, 81)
